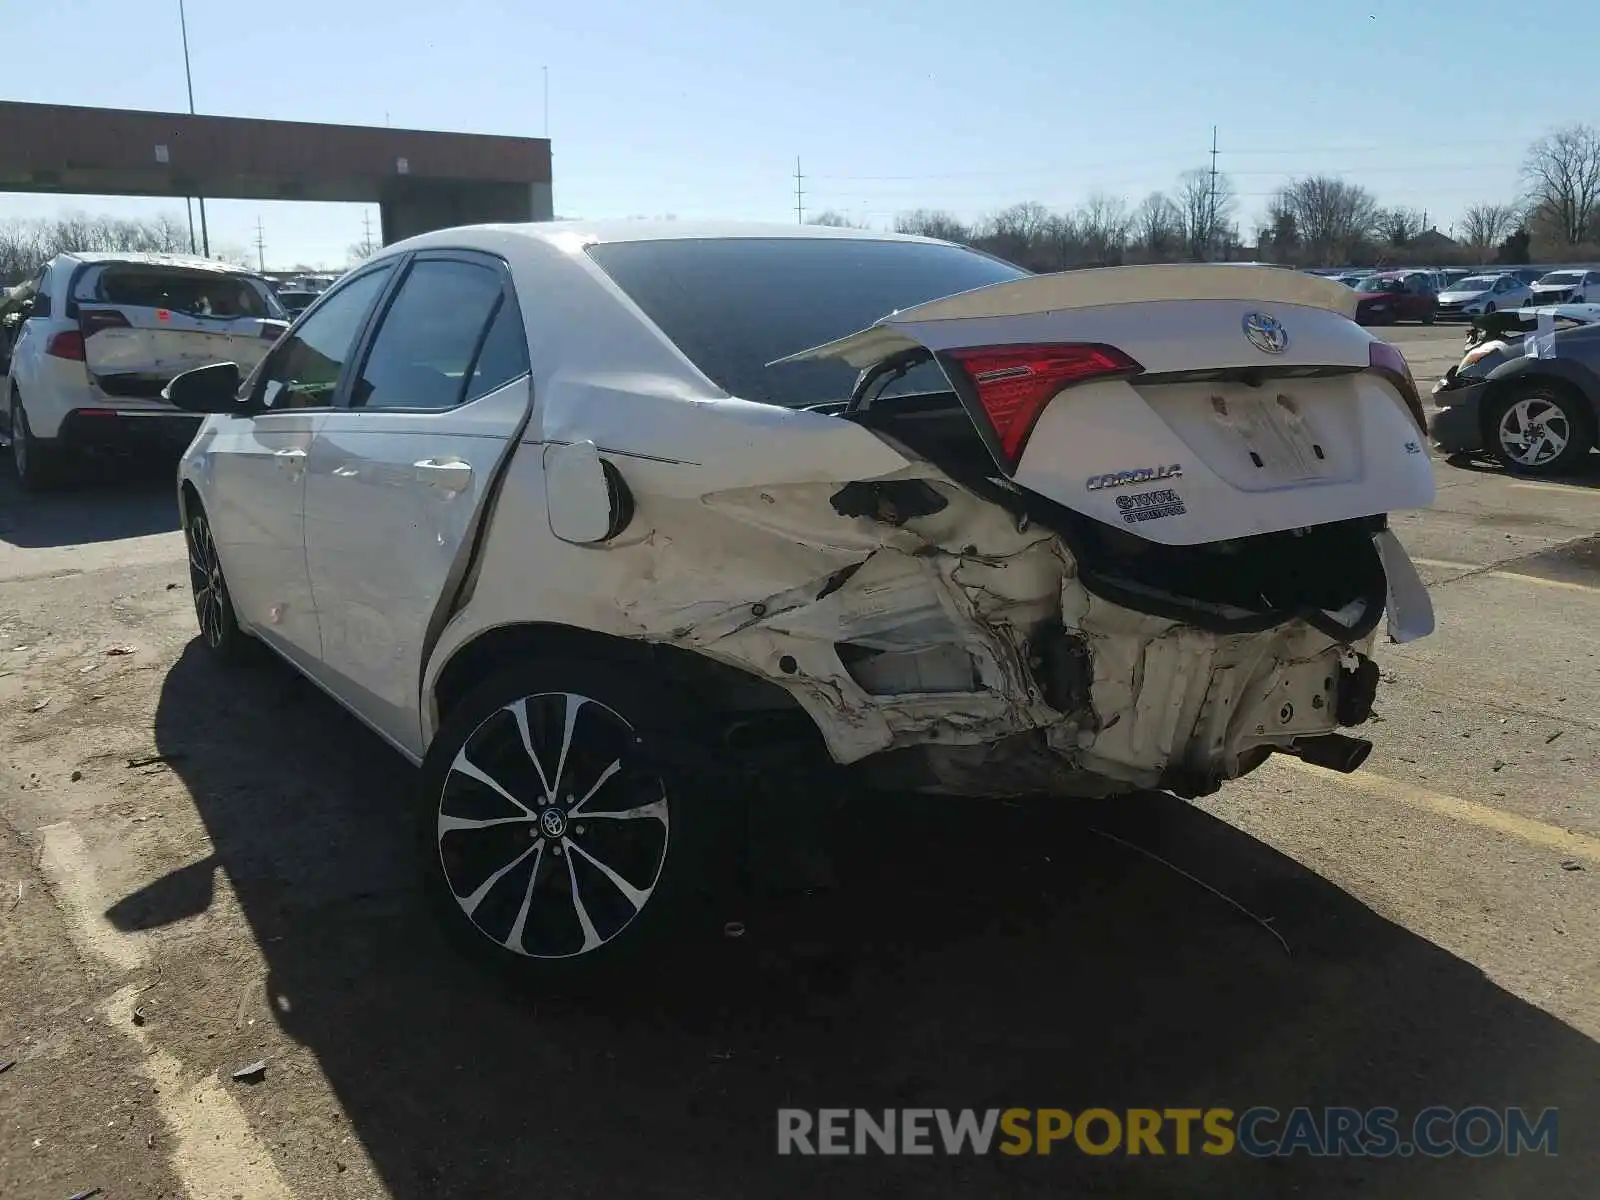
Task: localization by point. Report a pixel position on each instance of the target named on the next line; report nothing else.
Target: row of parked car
(1429, 295)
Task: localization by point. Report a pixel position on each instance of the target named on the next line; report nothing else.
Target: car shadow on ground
(98, 502)
(974, 955)
(1585, 475)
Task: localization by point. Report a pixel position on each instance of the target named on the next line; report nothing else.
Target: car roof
(657, 230)
(190, 262)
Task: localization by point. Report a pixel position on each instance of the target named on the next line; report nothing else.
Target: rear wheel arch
(715, 686)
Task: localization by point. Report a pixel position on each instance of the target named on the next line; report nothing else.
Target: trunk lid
(144, 324)
(1184, 404)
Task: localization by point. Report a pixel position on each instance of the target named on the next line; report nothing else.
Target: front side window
(430, 341)
(303, 371)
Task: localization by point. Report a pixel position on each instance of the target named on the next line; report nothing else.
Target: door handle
(450, 474)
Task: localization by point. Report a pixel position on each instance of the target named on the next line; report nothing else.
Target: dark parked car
(296, 301)
(1532, 402)
(1390, 297)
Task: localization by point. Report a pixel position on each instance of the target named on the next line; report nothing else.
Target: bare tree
(1562, 173)
(1103, 223)
(934, 223)
(1331, 216)
(1158, 227)
(1281, 232)
(1399, 226)
(1061, 242)
(1484, 226)
(836, 220)
(1206, 205)
(359, 252)
(1014, 233)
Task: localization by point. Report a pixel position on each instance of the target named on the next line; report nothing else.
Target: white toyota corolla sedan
(574, 514)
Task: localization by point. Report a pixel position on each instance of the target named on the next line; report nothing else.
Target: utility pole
(1211, 202)
(188, 77)
(261, 247)
(366, 232)
(799, 194)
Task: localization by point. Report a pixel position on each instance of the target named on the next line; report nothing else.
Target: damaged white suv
(571, 516)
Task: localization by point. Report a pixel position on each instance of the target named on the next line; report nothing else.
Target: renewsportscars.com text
(1260, 1132)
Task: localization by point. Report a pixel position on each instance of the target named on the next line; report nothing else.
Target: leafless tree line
(1316, 220)
(25, 245)
(1195, 221)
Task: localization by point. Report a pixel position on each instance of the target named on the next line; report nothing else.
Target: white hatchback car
(102, 334)
(571, 516)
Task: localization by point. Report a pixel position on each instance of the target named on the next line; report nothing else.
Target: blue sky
(699, 108)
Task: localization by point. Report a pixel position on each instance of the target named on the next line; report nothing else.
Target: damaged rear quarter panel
(730, 553)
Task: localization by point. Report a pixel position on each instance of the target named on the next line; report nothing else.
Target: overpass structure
(420, 180)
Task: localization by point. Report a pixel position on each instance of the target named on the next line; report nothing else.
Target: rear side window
(732, 305)
(193, 293)
(431, 337)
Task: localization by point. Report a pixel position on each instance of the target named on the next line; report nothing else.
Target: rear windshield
(194, 293)
(1382, 285)
(732, 305)
(1563, 277)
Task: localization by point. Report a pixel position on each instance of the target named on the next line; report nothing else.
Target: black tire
(1488, 308)
(1561, 416)
(513, 895)
(1428, 318)
(213, 604)
(36, 462)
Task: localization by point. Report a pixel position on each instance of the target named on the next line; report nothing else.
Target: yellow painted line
(1569, 584)
(1563, 489)
(1565, 842)
(1445, 565)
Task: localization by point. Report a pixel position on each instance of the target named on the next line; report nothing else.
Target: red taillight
(67, 344)
(93, 320)
(1387, 361)
(1015, 383)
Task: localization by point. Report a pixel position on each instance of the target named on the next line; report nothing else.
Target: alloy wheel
(205, 581)
(19, 440)
(552, 832)
(1534, 431)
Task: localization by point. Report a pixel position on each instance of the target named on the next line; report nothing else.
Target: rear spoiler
(1098, 288)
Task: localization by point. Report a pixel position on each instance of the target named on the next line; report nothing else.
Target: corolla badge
(1265, 333)
(1116, 479)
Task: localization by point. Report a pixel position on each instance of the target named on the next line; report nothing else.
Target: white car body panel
(252, 473)
(391, 501)
(736, 552)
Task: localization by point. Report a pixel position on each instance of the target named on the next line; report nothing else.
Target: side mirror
(209, 389)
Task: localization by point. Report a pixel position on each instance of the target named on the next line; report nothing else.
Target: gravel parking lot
(202, 870)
